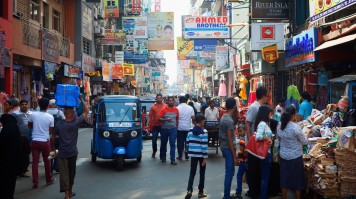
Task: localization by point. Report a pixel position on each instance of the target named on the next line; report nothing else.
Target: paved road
(148, 179)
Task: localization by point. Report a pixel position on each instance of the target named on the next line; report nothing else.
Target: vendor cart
(213, 134)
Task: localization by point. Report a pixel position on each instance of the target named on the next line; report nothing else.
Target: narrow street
(148, 179)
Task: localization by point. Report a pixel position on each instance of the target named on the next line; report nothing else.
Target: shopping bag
(257, 148)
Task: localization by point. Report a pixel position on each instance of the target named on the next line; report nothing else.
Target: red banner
(270, 53)
(117, 71)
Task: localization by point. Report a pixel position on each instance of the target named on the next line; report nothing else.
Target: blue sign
(206, 45)
(209, 0)
(300, 48)
(156, 74)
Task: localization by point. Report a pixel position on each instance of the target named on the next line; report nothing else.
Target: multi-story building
(43, 47)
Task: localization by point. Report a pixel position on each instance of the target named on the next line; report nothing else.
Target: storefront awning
(336, 42)
(344, 79)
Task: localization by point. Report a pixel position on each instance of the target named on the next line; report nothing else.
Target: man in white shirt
(186, 115)
(42, 124)
(197, 105)
(211, 113)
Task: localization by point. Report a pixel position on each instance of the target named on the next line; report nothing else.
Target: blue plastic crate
(67, 95)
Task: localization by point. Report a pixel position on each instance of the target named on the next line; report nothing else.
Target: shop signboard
(134, 8)
(322, 8)
(88, 63)
(183, 64)
(135, 27)
(87, 22)
(148, 83)
(50, 69)
(160, 31)
(300, 48)
(119, 57)
(111, 8)
(113, 37)
(128, 69)
(50, 44)
(271, 9)
(156, 63)
(2, 54)
(156, 73)
(205, 45)
(205, 27)
(265, 34)
(71, 71)
(105, 71)
(222, 58)
(184, 47)
(117, 71)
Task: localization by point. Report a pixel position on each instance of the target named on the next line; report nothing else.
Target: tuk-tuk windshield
(146, 106)
(120, 111)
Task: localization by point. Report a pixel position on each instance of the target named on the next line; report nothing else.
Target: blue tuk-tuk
(117, 132)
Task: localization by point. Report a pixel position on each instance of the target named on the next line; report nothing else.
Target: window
(35, 10)
(45, 16)
(56, 22)
(86, 46)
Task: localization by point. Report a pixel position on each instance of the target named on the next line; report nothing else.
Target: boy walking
(197, 141)
(242, 156)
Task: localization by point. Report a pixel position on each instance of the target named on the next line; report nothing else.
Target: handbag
(257, 148)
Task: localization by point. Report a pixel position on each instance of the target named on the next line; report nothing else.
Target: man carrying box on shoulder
(67, 153)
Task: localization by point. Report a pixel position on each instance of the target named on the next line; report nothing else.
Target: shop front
(88, 67)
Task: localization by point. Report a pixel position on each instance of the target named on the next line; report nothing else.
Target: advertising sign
(135, 27)
(222, 58)
(136, 46)
(50, 69)
(87, 22)
(184, 47)
(50, 44)
(161, 31)
(265, 34)
(323, 8)
(156, 63)
(300, 48)
(71, 71)
(128, 69)
(270, 53)
(88, 63)
(113, 37)
(271, 9)
(111, 8)
(204, 27)
(134, 8)
(119, 57)
(105, 71)
(156, 74)
(117, 71)
(205, 45)
(184, 64)
(2, 53)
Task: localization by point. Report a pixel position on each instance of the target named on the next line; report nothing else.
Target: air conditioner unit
(97, 29)
(101, 13)
(102, 23)
(95, 12)
(102, 31)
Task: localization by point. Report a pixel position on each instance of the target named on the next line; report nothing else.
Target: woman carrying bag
(264, 133)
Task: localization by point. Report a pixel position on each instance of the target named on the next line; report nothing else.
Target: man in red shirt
(169, 118)
(154, 123)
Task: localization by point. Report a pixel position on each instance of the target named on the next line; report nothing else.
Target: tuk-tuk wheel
(139, 158)
(93, 158)
(119, 162)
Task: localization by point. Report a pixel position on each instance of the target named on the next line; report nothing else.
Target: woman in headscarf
(10, 143)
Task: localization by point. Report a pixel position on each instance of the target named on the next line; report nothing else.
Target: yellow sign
(322, 8)
(128, 69)
(111, 8)
(183, 48)
(270, 53)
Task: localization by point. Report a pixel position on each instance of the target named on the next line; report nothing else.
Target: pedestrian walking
(186, 115)
(291, 144)
(154, 122)
(169, 117)
(264, 133)
(212, 113)
(10, 155)
(22, 116)
(42, 124)
(58, 115)
(67, 130)
(227, 139)
(253, 172)
(197, 141)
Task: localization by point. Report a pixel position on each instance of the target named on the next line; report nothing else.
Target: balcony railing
(32, 36)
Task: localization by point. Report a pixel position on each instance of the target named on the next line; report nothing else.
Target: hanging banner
(184, 64)
(113, 37)
(184, 47)
(117, 71)
(136, 46)
(156, 63)
(50, 69)
(50, 43)
(105, 71)
(264, 34)
(111, 8)
(87, 22)
(128, 69)
(71, 71)
(270, 53)
(160, 31)
(222, 58)
(204, 27)
(119, 57)
(322, 8)
(205, 45)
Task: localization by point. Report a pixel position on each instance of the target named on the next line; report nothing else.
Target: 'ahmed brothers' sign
(271, 9)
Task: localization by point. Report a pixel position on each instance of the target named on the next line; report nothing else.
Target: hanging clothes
(243, 91)
(322, 98)
(222, 89)
(293, 91)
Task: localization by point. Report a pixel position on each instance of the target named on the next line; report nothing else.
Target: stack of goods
(324, 171)
(345, 157)
(67, 95)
